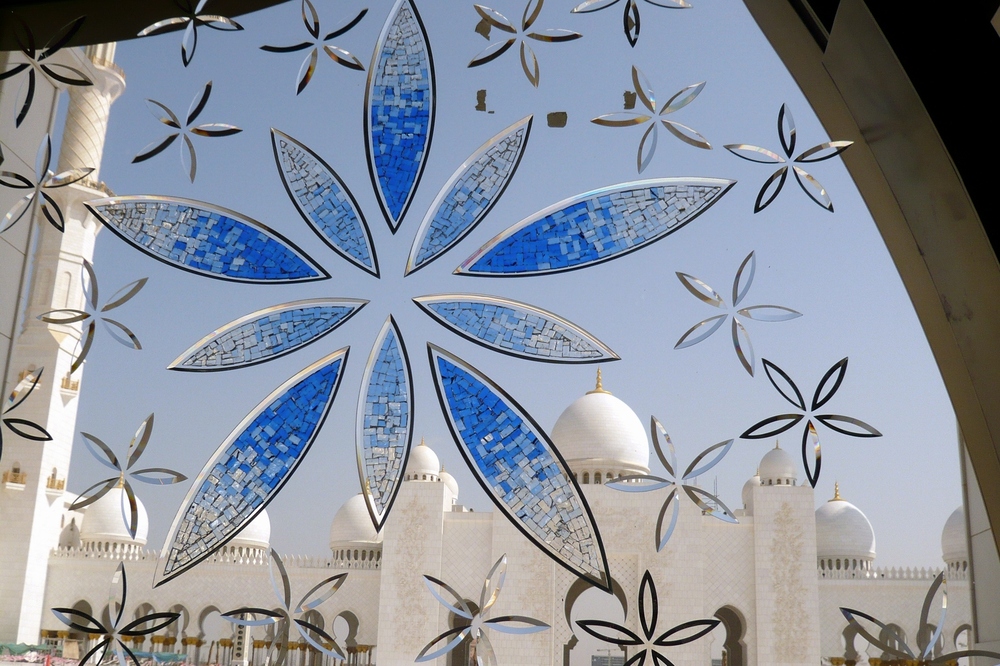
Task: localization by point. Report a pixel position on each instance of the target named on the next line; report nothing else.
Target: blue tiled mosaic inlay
(244, 476)
(471, 194)
(385, 425)
(400, 98)
(525, 478)
(275, 332)
(596, 227)
(517, 329)
(323, 200)
(210, 242)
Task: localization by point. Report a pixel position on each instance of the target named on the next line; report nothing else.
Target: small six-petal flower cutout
(23, 427)
(191, 20)
(631, 21)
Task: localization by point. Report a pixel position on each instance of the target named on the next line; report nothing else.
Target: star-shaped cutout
(191, 20)
(631, 21)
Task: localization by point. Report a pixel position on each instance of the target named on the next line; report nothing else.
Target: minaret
(30, 511)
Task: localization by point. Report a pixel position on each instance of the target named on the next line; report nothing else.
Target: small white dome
(353, 524)
(104, 520)
(423, 462)
(600, 431)
(778, 468)
(449, 481)
(843, 532)
(748, 492)
(954, 547)
(257, 534)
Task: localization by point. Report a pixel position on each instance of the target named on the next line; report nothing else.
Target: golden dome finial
(777, 444)
(836, 492)
(599, 388)
(421, 442)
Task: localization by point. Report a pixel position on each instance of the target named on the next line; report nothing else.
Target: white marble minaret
(47, 277)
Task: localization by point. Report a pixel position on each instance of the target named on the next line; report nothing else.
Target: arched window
(597, 477)
(734, 647)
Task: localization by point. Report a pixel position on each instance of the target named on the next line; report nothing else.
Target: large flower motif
(23, 427)
(647, 145)
(56, 74)
(44, 180)
(189, 160)
(285, 616)
(340, 56)
(630, 19)
(827, 388)
(520, 470)
(113, 638)
(647, 646)
(491, 18)
(473, 624)
(772, 186)
(191, 20)
(157, 476)
(706, 501)
(889, 640)
(741, 339)
(119, 331)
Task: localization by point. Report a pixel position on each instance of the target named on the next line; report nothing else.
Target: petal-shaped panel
(595, 227)
(251, 466)
(519, 467)
(400, 104)
(515, 328)
(385, 416)
(469, 194)
(267, 334)
(324, 201)
(205, 239)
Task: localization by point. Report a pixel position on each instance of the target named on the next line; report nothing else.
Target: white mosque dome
(257, 534)
(450, 482)
(104, 521)
(778, 468)
(954, 548)
(423, 464)
(844, 537)
(600, 432)
(353, 524)
(748, 492)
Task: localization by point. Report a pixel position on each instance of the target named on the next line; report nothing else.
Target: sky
(831, 267)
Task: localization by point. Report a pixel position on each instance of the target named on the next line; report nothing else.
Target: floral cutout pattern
(647, 647)
(631, 21)
(191, 20)
(653, 119)
(23, 427)
(189, 159)
(113, 638)
(772, 186)
(827, 388)
(285, 616)
(491, 18)
(44, 180)
(709, 504)
(473, 624)
(36, 58)
(157, 476)
(741, 339)
(119, 331)
(310, 18)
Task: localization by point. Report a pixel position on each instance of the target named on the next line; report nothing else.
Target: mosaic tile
(469, 195)
(267, 334)
(384, 418)
(519, 467)
(251, 466)
(515, 328)
(596, 227)
(205, 239)
(324, 201)
(400, 103)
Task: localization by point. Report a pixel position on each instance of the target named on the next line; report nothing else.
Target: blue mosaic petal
(251, 466)
(595, 227)
(515, 328)
(205, 239)
(400, 103)
(469, 194)
(385, 414)
(519, 467)
(267, 334)
(324, 201)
